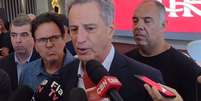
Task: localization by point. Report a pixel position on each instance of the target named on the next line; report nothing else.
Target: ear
(65, 37)
(111, 30)
(164, 24)
(35, 46)
(68, 37)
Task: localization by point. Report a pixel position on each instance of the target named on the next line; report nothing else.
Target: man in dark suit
(91, 29)
(23, 45)
(5, 86)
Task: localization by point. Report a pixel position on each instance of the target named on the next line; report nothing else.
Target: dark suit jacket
(9, 65)
(124, 69)
(5, 86)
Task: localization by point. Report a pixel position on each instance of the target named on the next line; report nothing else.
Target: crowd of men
(41, 54)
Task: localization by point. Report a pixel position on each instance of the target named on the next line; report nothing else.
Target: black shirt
(179, 71)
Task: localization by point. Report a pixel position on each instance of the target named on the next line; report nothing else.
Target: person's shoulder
(72, 65)
(174, 52)
(180, 57)
(30, 71)
(32, 66)
(132, 53)
(139, 68)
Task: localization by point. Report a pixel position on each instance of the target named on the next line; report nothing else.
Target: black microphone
(22, 93)
(49, 90)
(77, 94)
(106, 85)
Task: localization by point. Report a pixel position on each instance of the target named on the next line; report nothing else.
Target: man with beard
(23, 45)
(50, 39)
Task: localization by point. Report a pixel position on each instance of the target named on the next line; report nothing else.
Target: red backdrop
(187, 19)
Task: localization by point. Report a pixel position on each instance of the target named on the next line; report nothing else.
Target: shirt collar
(108, 60)
(27, 60)
(106, 63)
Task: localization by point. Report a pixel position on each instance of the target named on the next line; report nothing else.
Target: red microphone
(107, 83)
(165, 92)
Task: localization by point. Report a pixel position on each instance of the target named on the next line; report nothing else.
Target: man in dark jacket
(23, 44)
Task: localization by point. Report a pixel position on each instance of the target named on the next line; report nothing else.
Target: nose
(81, 35)
(49, 43)
(139, 25)
(18, 39)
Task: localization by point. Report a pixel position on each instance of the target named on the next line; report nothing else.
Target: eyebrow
(83, 25)
(134, 17)
(89, 24)
(18, 33)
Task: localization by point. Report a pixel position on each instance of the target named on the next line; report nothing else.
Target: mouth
(51, 53)
(138, 35)
(19, 48)
(82, 51)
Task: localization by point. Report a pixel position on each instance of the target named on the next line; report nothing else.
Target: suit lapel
(70, 75)
(118, 64)
(12, 68)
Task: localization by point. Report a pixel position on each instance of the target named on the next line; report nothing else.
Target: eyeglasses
(53, 39)
(23, 34)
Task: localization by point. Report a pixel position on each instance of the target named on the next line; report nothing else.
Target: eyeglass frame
(52, 39)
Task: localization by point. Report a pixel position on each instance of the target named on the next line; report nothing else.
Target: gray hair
(162, 10)
(21, 20)
(106, 8)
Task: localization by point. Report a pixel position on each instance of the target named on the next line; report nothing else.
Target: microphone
(77, 94)
(106, 85)
(22, 93)
(49, 90)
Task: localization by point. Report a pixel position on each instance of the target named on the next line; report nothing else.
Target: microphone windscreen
(78, 94)
(49, 90)
(95, 70)
(22, 93)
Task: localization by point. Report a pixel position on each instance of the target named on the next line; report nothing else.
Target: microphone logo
(49, 89)
(56, 87)
(106, 83)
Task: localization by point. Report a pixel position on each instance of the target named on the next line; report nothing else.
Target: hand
(93, 96)
(4, 51)
(199, 79)
(156, 96)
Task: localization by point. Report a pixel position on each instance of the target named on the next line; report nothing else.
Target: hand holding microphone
(159, 92)
(156, 96)
(106, 85)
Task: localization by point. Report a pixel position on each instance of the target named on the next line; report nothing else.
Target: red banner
(183, 15)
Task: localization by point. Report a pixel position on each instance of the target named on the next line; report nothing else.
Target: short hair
(45, 18)
(20, 20)
(106, 7)
(64, 19)
(161, 8)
